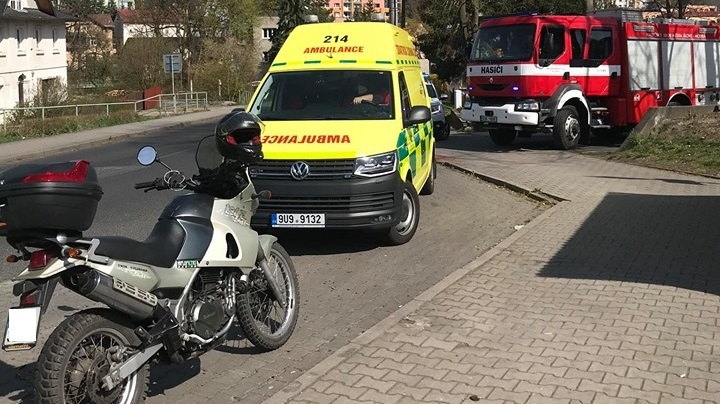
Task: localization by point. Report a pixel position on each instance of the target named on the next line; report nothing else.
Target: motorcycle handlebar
(147, 184)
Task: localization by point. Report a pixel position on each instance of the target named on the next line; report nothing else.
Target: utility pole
(391, 6)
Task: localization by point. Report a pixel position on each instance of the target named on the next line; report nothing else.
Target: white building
(263, 35)
(630, 3)
(139, 24)
(119, 4)
(32, 49)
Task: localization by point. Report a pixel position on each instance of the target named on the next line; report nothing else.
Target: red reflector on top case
(77, 174)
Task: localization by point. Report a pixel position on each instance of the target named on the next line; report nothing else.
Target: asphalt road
(348, 282)
(475, 141)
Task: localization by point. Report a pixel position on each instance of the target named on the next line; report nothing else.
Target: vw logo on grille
(300, 170)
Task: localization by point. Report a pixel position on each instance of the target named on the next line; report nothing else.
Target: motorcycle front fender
(266, 241)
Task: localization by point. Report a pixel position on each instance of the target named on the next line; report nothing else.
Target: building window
(266, 57)
(38, 39)
(267, 33)
(54, 38)
(20, 39)
(3, 41)
(16, 4)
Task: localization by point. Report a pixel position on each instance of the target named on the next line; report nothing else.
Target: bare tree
(139, 62)
(224, 68)
(364, 12)
(193, 22)
(671, 8)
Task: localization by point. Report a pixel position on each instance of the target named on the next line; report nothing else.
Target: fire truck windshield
(503, 43)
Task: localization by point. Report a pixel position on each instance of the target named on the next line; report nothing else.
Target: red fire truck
(577, 75)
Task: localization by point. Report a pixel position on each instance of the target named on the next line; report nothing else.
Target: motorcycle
(170, 298)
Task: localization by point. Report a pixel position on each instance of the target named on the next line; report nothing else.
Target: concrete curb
(311, 376)
(536, 195)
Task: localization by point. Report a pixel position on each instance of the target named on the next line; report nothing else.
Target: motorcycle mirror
(147, 155)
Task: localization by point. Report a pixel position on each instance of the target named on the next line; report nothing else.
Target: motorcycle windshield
(504, 43)
(207, 156)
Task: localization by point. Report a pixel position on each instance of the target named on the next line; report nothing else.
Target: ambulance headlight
(527, 106)
(380, 164)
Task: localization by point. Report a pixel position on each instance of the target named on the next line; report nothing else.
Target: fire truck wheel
(502, 137)
(567, 128)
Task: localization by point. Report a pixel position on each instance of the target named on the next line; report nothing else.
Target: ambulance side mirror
(418, 114)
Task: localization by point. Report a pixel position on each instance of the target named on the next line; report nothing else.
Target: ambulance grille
(309, 204)
(319, 169)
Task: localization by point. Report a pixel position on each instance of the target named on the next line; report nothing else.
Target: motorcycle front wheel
(74, 361)
(266, 323)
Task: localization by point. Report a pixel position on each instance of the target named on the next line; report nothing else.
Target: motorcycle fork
(272, 282)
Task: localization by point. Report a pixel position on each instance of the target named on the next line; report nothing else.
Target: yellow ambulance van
(348, 136)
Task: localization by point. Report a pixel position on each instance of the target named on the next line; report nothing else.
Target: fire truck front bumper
(500, 115)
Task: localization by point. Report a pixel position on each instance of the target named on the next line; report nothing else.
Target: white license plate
(22, 328)
(297, 220)
(491, 119)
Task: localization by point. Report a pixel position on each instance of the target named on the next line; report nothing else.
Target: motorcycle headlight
(435, 108)
(373, 166)
(527, 106)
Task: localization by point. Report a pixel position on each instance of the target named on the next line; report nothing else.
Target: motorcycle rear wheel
(73, 361)
(255, 308)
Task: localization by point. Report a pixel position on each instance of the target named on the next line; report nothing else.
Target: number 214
(335, 38)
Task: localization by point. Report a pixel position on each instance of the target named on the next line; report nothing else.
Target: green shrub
(33, 128)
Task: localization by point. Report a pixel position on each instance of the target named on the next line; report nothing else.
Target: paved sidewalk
(609, 297)
(40, 147)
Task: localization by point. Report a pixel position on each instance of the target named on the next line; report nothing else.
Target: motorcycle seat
(160, 249)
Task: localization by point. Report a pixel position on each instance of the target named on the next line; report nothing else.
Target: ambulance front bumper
(500, 115)
(354, 203)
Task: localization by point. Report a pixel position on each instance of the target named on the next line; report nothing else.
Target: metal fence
(162, 104)
(244, 97)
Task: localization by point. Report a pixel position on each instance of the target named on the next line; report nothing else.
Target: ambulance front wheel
(502, 137)
(402, 232)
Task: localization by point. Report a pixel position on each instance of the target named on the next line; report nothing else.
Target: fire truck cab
(574, 75)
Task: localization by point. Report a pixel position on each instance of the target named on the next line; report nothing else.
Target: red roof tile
(103, 20)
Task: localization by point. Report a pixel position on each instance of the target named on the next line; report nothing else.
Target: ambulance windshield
(503, 43)
(325, 95)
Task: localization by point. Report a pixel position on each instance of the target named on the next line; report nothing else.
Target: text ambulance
(571, 75)
(348, 139)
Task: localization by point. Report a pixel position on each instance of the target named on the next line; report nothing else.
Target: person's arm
(367, 97)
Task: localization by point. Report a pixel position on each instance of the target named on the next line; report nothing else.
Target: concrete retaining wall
(657, 115)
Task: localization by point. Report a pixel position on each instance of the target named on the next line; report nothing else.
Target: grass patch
(690, 145)
(27, 128)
